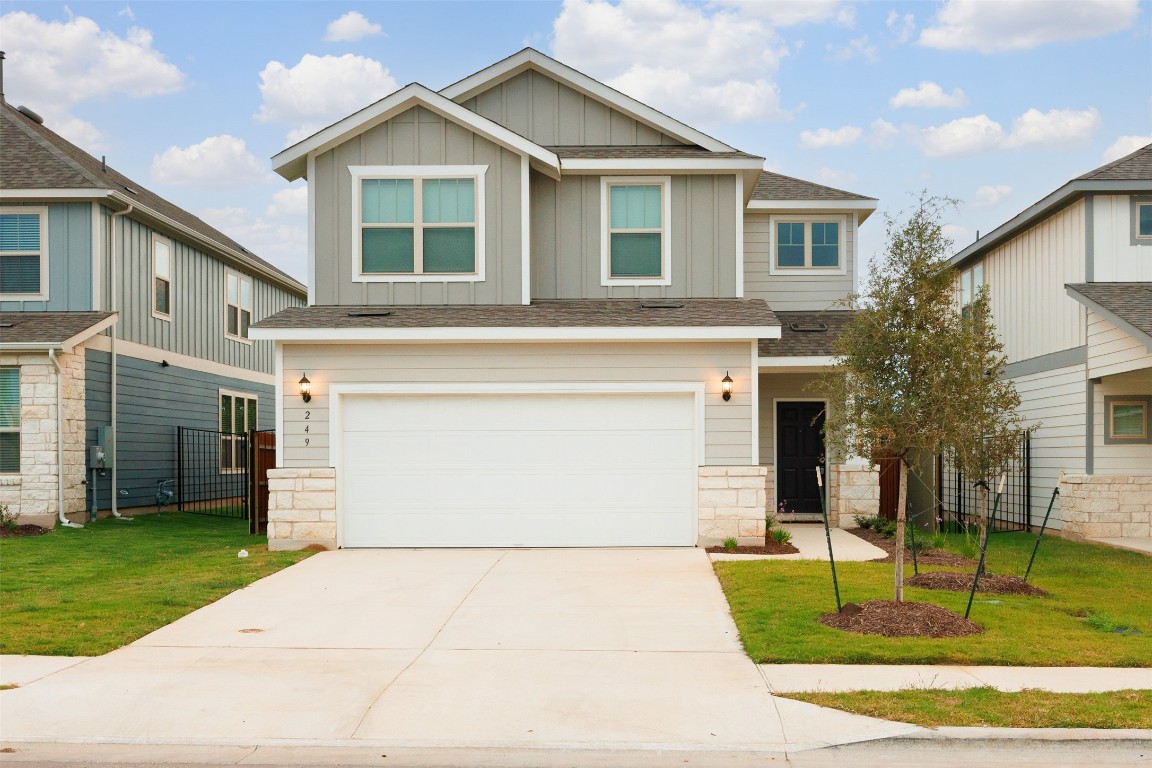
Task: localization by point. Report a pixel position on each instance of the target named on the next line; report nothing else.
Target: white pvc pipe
(64, 521)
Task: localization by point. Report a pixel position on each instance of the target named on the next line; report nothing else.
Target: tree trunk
(983, 529)
(901, 522)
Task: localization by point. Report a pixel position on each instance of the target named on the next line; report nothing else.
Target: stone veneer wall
(301, 508)
(853, 489)
(1106, 506)
(32, 494)
(732, 502)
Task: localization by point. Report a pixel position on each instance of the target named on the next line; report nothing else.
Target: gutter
(113, 368)
(64, 521)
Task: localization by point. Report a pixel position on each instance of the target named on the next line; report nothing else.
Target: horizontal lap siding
(788, 292)
(1121, 459)
(728, 431)
(1112, 351)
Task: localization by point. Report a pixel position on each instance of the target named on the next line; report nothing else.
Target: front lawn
(84, 592)
(1098, 611)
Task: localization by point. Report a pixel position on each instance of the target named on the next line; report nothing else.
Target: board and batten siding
(566, 235)
(1112, 351)
(416, 137)
(152, 401)
(1033, 314)
(792, 293)
(728, 425)
(1115, 259)
(1114, 459)
(69, 240)
(197, 322)
(550, 113)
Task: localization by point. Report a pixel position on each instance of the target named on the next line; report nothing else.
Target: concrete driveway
(594, 649)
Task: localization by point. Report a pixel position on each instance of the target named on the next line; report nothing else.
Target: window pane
(233, 290)
(1145, 220)
(635, 207)
(162, 259)
(225, 413)
(9, 451)
(240, 420)
(162, 296)
(450, 249)
(977, 279)
(636, 255)
(965, 288)
(233, 321)
(387, 201)
(9, 397)
(825, 244)
(449, 201)
(19, 232)
(226, 444)
(246, 294)
(1128, 420)
(245, 321)
(251, 413)
(388, 250)
(20, 274)
(790, 244)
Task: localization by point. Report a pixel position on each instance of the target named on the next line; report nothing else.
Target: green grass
(991, 708)
(1094, 591)
(84, 592)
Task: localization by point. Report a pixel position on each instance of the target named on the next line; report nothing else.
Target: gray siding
(792, 292)
(417, 137)
(566, 239)
(198, 309)
(552, 114)
(151, 402)
(69, 239)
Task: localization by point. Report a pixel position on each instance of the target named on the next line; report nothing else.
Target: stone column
(732, 504)
(301, 508)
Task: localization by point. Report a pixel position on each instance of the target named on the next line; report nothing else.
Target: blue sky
(993, 102)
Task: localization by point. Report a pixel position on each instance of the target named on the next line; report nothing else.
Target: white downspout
(114, 308)
(64, 521)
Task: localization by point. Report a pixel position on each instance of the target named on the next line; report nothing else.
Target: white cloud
(990, 194)
(1054, 129)
(80, 132)
(1125, 145)
(215, 163)
(901, 27)
(1007, 25)
(822, 138)
(127, 12)
(787, 13)
(964, 136)
(283, 244)
(928, 95)
(320, 90)
(858, 48)
(883, 134)
(960, 236)
(290, 203)
(834, 178)
(351, 26)
(702, 64)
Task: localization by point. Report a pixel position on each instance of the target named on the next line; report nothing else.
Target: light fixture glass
(726, 386)
(305, 388)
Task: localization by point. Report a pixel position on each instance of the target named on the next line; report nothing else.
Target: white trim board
(456, 334)
(126, 348)
(864, 207)
(797, 363)
(703, 165)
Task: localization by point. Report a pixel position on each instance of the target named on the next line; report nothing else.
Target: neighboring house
(107, 288)
(1070, 285)
(542, 314)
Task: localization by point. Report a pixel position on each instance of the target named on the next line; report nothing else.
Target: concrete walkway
(813, 545)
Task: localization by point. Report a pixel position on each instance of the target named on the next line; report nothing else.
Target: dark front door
(799, 450)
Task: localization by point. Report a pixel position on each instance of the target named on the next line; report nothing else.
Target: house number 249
(307, 428)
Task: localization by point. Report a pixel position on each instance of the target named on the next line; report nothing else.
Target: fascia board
(291, 163)
(797, 361)
(31, 195)
(450, 334)
(865, 207)
(69, 344)
(578, 81)
(583, 166)
(1111, 317)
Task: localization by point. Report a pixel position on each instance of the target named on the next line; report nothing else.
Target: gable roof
(775, 191)
(1128, 306)
(530, 58)
(42, 164)
(292, 163)
(51, 330)
(1130, 174)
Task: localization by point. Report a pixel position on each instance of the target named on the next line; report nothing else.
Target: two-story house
(122, 317)
(545, 314)
(1070, 286)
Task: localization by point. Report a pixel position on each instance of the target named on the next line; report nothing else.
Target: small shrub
(7, 518)
(730, 544)
(864, 521)
(781, 536)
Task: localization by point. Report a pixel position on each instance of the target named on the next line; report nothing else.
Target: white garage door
(523, 470)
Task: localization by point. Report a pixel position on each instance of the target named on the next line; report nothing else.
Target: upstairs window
(23, 253)
(161, 278)
(1144, 221)
(807, 246)
(635, 246)
(9, 420)
(971, 281)
(420, 223)
(237, 305)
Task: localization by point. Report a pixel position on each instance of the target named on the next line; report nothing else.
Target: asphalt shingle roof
(1134, 167)
(806, 334)
(654, 151)
(1131, 302)
(774, 186)
(46, 327)
(34, 157)
(575, 313)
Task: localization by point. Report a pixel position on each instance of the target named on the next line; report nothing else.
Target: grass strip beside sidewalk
(84, 592)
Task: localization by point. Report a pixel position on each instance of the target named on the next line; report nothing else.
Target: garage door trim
(337, 393)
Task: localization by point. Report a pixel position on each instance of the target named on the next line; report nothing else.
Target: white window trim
(665, 278)
(232, 435)
(1136, 223)
(361, 172)
(807, 269)
(171, 263)
(239, 292)
(42, 294)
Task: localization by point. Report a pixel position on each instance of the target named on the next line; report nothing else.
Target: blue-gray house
(117, 309)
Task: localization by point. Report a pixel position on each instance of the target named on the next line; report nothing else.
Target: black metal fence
(212, 472)
(958, 498)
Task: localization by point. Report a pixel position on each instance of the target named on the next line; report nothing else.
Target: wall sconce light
(305, 388)
(726, 386)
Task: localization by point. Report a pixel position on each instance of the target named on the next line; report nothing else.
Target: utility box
(96, 457)
(106, 437)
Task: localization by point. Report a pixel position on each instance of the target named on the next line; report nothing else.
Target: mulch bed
(962, 582)
(891, 619)
(772, 549)
(926, 556)
(22, 530)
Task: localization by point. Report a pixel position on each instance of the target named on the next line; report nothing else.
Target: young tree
(913, 376)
